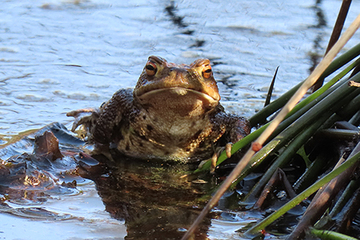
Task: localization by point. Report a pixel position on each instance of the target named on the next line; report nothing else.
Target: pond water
(57, 56)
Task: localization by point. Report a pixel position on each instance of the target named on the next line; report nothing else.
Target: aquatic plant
(292, 130)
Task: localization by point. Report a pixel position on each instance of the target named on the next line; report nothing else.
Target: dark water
(57, 56)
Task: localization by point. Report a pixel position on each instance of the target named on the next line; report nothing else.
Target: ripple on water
(77, 95)
(30, 97)
(9, 49)
(5, 103)
(98, 85)
(48, 81)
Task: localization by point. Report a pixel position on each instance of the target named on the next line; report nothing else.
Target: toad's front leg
(236, 129)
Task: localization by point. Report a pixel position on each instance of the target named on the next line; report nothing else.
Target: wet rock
(47, 146)
(29, 176)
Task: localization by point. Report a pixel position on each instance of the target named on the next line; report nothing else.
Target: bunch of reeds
(332, 111)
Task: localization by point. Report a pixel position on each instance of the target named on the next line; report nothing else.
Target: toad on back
(172, 114)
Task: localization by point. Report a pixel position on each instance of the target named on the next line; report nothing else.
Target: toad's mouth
(177, 99)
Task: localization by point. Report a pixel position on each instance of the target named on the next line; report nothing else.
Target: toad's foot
(87, 120)
(216, 154)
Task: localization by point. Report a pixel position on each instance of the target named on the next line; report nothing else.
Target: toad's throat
(177, 101)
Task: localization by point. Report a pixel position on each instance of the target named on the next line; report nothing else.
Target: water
(57, 56)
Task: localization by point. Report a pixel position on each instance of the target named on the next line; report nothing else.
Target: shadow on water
(318, 50)
(171, 10)
(178, 21)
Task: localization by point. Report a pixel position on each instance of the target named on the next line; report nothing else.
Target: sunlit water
(57, 56)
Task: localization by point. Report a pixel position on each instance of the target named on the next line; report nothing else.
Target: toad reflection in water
(154, 200)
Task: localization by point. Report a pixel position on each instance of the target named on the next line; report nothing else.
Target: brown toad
(172, 114)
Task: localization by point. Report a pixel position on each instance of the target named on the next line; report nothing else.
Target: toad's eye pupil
(207, 72)
(149, 67)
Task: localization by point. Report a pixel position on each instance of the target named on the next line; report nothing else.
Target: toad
(172, 114)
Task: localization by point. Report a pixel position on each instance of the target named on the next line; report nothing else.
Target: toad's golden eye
(207, 71)
(151, 68)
